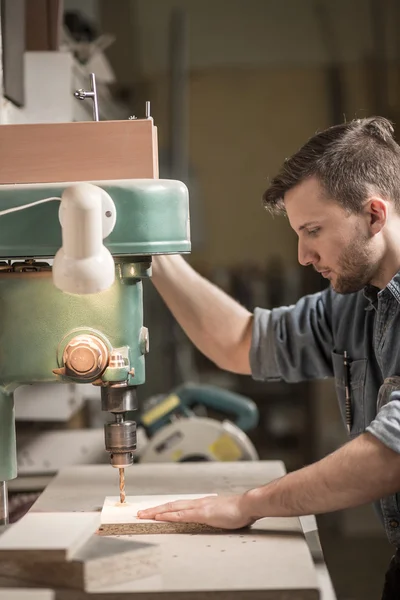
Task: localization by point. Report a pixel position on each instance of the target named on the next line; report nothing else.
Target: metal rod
(4, 517)
(148, 115)
(95, 102)
(83, 94)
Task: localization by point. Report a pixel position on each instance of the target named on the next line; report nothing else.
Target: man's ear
(377, 213)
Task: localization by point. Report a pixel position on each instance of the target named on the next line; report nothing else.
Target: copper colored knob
(85, 357)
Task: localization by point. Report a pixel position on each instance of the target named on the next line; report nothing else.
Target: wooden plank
(87, 151)
(47, 537)
(115, 512)
(62, 550)
(101, 562)
(107, 562)
(121, 519)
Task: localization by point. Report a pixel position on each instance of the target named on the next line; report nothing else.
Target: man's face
(336, 243)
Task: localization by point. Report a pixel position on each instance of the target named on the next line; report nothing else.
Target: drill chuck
(120, 440)
(120, 436)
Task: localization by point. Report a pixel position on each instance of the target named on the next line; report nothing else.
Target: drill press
(81, 319)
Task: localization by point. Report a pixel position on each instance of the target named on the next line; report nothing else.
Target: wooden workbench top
(271, 560)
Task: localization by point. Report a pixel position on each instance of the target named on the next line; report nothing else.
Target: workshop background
(235, 87)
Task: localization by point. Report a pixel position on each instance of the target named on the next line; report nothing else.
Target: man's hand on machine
(226, 512)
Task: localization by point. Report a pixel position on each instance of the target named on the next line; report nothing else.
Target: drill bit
(122, 486)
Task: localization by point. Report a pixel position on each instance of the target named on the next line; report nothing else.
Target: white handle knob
(83, 265)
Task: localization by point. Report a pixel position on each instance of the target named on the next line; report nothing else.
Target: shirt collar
(372, 293)
(394, 287)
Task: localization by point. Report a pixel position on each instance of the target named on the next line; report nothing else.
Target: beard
(356, 267)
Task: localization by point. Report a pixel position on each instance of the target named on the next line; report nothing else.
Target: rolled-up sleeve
(386, 425)
(293, 343)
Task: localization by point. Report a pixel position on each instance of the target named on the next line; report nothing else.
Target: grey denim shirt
(308, 340)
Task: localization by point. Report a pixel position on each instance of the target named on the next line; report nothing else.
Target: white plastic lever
(83, 265)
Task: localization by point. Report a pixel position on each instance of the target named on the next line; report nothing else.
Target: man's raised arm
(218, 325)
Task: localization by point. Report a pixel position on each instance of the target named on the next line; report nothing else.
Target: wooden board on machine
(268, 560)
(63, 550)
(84, 151)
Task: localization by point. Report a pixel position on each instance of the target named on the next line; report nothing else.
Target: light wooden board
(84, 151)
(269, 561)
(121, 519)
(101, 562)
(110, 561)
(115, 512)
(63, 550)
(48, 536)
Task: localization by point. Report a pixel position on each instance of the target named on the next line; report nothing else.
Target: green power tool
(71, 304)
(48, 335)
(178, 427)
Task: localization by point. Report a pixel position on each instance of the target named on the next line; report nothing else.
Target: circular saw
(175, 433)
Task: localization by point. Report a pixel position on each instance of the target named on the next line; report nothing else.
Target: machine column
(3, 503)
(8, 452)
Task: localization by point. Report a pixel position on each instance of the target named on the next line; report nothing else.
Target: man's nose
(306, 256)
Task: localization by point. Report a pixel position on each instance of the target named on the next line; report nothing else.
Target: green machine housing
(47, 335)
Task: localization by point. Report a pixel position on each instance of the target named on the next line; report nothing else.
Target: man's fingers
(170, 507)
(149, 513)
(180, 516)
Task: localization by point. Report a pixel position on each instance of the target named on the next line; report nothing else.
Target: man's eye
(313, 232)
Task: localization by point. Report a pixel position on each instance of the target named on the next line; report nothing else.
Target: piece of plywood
(41, 537)
(121, 519)
(63, 550)
(83, 151)
(108, 561)
(101, 562)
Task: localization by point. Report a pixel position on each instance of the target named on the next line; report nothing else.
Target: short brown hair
(349, 160)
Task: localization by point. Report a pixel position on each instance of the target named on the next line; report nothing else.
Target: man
(341, 194)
